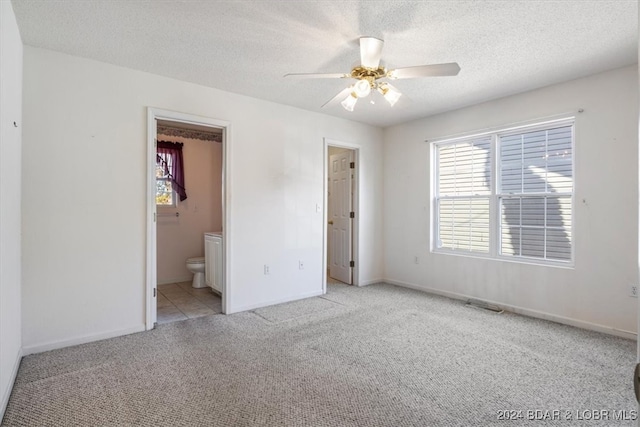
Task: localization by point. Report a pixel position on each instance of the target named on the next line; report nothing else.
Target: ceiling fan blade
(338, 98)
(370, 52)
(433, 70)
(318, 75)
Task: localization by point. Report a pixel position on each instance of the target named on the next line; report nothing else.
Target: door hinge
(154, 292)
(352, 214)
(352, 263)
(352, 165)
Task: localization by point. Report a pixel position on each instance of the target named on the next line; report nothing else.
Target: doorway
(181, 121)
(342, 213)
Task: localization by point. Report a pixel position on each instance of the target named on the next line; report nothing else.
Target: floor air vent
(474, 303)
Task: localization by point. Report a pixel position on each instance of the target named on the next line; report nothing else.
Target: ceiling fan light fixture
(390, 93)
(370, 73)
(362, 88)
(349, 102)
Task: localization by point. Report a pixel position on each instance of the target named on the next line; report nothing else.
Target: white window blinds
(464, 187)
(536, 176)
(537, 162)
(464, 168)
(507, 194)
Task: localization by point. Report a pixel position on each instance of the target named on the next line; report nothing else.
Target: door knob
(330, 222)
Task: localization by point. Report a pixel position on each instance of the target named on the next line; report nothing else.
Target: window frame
(436, 198)
(496, 194)
(174, 195)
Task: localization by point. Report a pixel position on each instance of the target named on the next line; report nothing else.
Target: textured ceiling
(245, 47)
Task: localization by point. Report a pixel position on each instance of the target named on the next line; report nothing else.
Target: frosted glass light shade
(392, 95)
(362, 88)
(349, 102)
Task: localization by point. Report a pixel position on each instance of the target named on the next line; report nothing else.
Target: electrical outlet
(301, 265)
(266, 269)
(633, 291)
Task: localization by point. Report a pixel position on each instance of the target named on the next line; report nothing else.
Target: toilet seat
(195, 260)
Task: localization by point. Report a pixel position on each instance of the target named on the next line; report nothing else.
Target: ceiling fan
(369, 75)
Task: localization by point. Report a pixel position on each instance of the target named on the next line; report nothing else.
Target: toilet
(196, 266)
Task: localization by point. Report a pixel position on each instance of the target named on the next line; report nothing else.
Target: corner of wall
(11, 57)
(6, 392)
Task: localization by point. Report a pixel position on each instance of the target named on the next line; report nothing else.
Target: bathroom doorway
(182, 212)
(341, 214)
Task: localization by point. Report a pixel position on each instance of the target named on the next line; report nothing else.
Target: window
(165, 195)
(169, 173)
(464, 195)
(507, 194)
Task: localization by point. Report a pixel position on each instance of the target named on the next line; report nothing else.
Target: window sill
(525, 261)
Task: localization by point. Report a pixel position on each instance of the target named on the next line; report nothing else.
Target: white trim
(356, 206)
(495, 215)
(227, 241)
(495, 197)
(502, 258)
(83, 339)
(522, 311)
(277, 301)
(178, 280)
(507, 128)
(371, 282)
(150, 301)
(154, 114)
(433, 202)
(12, 380)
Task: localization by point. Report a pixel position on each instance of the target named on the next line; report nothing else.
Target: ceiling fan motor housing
(369, 75)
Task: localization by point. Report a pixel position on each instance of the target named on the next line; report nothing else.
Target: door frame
(328, 142)
(154, 114)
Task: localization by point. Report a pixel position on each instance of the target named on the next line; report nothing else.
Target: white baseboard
(274, 302)
(7, 392)
(53, 345)
(176, 280)
(523, 311)
(371, 282)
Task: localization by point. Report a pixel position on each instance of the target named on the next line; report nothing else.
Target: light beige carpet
(374, 356)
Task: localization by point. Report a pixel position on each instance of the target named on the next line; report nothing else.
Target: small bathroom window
(165, 196)
(169, 174)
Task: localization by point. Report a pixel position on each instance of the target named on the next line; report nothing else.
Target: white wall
(593, 294)
(10, 186)
(84, 211)
(182, 237)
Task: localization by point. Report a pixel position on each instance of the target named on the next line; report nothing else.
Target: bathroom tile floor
(180, 301)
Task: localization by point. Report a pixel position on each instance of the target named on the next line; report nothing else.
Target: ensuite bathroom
(189, 221)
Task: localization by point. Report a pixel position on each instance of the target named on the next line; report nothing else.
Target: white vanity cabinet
(213, 270)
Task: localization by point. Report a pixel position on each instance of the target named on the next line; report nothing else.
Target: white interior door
(340, 222)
